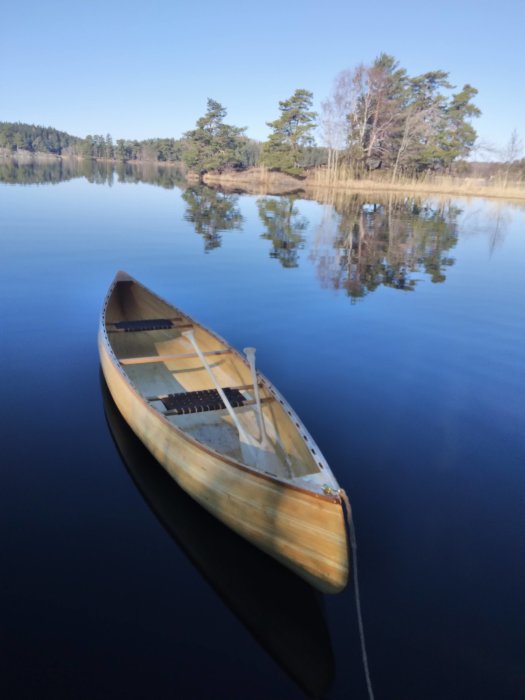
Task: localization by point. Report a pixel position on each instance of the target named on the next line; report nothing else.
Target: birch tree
(334, 117)
(389, 120)
(511, 152)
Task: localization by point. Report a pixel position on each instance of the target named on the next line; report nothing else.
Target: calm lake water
(396, 329)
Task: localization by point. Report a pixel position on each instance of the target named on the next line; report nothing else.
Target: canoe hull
(304, 531)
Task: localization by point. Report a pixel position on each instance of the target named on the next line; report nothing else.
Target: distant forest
(377, 118)
(16, 137)
(28, 138)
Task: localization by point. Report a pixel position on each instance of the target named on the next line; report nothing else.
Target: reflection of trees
(284, 227)
(53, 171)
(491, 218)
(212, 212)
(363, 246)
(30, 172)
(165, 176)
(100, 172)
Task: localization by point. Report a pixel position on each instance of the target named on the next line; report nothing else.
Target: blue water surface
(396, 329)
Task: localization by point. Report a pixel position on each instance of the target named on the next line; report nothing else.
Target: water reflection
(167, 176)
(284, 227)
(31, 172)
(492, 220)
(361, 244)
(212, 212)
(55, 170)
(282, 612)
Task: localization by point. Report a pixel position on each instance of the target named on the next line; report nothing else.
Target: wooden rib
(168, 358)
(241, 387)
(251, 402)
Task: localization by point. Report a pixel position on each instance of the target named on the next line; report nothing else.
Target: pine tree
(213, 145)
(109, 147)
(285, 148)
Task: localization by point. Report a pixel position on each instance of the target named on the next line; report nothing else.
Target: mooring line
(353, 547)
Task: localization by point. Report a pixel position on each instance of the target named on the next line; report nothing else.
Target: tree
(109, 147)
(423, 120)
(250, 152)
(379, 99)
(87, 147)
(213, 145)
(364, 115)
(334, 120)
(511, 152)
(285, 147)
(389, 120)
(417, 130)
(36, 139)
(458, 136)
(437, 130)
(121, 150)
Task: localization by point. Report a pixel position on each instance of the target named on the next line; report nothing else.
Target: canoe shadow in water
(281, 611)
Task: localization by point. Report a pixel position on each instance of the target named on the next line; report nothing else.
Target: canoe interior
(292, 457)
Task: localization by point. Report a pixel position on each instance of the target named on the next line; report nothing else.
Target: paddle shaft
(242, 434)
(250, 356)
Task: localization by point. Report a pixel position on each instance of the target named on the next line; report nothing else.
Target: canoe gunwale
(331, 497)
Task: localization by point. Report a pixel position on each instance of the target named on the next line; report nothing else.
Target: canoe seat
(146, 324)
(200, 401)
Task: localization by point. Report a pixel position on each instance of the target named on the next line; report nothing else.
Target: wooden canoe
(278, 492)
(283, 613)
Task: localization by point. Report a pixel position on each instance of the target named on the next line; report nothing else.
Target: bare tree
(417, 130)
(336, 111)
(511, 152)
(365, 113)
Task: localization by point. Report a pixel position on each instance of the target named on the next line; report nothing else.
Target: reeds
(427, 183)
(260, 180)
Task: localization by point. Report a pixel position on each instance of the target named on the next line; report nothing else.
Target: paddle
(265, 442)
(261, 454)
(242, 433)
(250, 356)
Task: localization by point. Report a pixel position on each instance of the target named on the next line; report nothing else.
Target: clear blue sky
(145, 69)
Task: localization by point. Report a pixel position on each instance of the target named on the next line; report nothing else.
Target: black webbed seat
(200, 401)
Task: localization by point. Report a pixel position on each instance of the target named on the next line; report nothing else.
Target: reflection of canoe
(239, 450)
(281, 611)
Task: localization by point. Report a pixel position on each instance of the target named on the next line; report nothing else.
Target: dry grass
(428, 184)
(264, 181)
(256, 181)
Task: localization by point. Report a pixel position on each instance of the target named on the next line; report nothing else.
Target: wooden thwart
(147, 324)
(168, 358)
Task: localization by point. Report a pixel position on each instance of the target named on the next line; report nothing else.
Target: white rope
(353, 547)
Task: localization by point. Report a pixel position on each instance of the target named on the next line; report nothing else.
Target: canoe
(282, 612)
(223, 432)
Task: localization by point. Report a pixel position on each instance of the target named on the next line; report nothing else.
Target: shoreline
(260, 181)
(255, 180)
